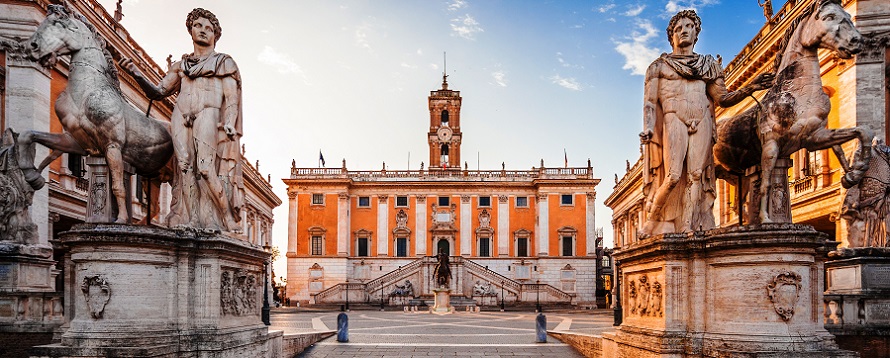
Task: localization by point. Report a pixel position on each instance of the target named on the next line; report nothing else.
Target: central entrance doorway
(443, 246)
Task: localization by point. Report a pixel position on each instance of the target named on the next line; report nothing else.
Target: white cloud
(500, 78)
(634, 11)
(407, 65)
(457, 5)
(637, 52)
(434, 66)
(674, 6)
(420, 52)
(466, 27)
(569, 83)
(605, 8)
(563, 63)
(361, 37)
(282, 63)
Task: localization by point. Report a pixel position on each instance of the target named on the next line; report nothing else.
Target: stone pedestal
(151, 292)
(442, 302)
(857, 299)
(102, 205)
(753, 291)
(778, 204)
(28, 301)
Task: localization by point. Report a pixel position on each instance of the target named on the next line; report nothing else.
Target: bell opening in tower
(445, 118)
(444, 155)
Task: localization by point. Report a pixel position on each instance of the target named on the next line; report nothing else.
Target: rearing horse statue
(794, 113)
(96, 118)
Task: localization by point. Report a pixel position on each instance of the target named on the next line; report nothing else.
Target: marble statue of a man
(206, 129)
(679, 131)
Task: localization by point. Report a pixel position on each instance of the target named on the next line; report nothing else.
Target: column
(591, 224)
(291, 222)
(382, 225)
(420, 225)
(543, 225)
(503, 225)
(466, 223)
(27, 108)
(343, 224)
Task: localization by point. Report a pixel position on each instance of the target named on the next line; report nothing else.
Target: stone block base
(751, 291)
(857, 299)
(443, 302)
(138, 291)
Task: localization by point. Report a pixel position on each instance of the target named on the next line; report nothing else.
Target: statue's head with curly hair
(685, 14)
(202, 13)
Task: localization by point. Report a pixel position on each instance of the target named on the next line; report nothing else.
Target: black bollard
(541, 328)
(342, 328)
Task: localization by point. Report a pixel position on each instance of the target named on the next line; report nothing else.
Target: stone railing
(493, 277)
(531, 290)
(338, 290)
(803, 185)
(382, 175)
(395, 276)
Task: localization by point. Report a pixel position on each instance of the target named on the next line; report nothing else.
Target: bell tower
(444, 136)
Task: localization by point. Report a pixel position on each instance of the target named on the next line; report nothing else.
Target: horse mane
(786, 38)
(111, 73)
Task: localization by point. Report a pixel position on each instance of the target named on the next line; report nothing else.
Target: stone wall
(295, 343)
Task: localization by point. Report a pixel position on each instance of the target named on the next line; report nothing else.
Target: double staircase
(465, 273)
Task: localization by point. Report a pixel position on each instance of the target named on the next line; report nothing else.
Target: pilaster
(292, 222)
(420, 231)
(466, 240)
(343, 224)
(383, 225)
(543, 224)
(503, 233)
(590, 222)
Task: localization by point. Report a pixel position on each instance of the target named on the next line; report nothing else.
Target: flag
(321, 158)
(566, 156)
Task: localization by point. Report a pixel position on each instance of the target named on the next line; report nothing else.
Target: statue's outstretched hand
(763, 81)
(130, 67)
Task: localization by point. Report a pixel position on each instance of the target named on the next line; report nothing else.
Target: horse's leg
(116, 168)
(841, 157)
(55, 154)
(26, 150)
(767, 164)
(824, 138)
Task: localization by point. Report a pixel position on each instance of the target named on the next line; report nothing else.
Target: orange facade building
(510, 229)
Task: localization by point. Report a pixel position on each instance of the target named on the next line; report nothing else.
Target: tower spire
(444, 71)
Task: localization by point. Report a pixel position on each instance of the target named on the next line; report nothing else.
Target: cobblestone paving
(399, 334)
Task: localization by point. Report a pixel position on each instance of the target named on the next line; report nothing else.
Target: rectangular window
(484, 247)
(402, 201)
(444, 201)
(485, 201)
(567, 242)
(521, 201)
(317, 248)
(317, 199)
(522, 247)
(567, 199)
(607, 262)
(75, 165)
(362, 247)
(402, 247)
(364, 202)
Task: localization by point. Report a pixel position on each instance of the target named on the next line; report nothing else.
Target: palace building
(859, 91)
(514, 235)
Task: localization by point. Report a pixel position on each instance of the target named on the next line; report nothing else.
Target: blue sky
(350, 78)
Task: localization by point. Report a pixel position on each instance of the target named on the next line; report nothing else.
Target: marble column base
(442, 302)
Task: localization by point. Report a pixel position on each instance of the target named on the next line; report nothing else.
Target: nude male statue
(679, 131)
(206, 129)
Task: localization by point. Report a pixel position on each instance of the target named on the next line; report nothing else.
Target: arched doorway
(443, 246)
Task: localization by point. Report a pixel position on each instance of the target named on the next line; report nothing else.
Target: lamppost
(502, 296)
(266, 309)
(617, 310)
(284, 291)
(347, 295)
(538, 297)
(381, 296)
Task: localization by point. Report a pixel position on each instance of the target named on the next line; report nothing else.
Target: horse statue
(793, 114)
(97, 120)
(442, 273)
(866, 207)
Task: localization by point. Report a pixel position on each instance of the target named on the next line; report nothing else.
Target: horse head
(61, 33)
(831, 28)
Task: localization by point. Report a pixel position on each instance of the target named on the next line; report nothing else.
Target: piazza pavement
(374, 333)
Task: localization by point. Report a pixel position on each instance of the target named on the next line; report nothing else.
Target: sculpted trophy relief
(206, 130)
(679, 131)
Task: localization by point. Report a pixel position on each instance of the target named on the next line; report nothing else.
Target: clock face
(444, 134)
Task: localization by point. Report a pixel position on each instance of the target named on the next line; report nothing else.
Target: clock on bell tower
(444, 136)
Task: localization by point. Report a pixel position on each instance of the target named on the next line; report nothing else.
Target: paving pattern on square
(399, 334)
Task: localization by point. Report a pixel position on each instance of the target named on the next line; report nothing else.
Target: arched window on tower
(444, 154)
(445, 118)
